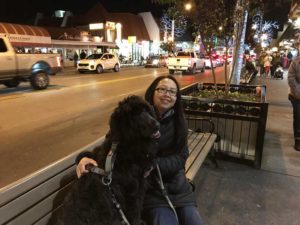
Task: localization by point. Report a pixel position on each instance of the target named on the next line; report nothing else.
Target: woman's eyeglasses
(171, 92)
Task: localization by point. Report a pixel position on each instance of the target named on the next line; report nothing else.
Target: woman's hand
(81, 167)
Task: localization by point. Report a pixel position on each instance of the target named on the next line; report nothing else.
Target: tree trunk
(240, 40)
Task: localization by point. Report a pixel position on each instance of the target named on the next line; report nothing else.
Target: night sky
(24, 11)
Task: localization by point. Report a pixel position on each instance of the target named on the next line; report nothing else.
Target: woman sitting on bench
(164, 95)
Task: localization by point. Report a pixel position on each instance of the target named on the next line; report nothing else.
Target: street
(40, 127)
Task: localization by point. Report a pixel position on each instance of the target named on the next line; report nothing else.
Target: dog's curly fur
(89, 202)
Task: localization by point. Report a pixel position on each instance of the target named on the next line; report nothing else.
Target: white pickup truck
(23, 67)
(186, 62)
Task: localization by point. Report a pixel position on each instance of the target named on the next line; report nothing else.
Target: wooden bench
(34, 199)
(201, 141)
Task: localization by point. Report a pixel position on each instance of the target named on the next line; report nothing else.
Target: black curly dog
(134, 129)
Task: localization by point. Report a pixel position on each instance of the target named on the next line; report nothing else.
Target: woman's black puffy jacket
(172, 166)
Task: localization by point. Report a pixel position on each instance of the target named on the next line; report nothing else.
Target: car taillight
(58, 61)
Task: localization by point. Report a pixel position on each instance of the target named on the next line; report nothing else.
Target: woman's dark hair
(180, 123)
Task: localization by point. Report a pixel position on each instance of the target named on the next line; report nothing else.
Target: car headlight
(155, 61)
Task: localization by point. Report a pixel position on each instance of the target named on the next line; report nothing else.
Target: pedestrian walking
(267, 64)
(82, 54)
(294, 97)
(276, 62)
(290, 58)
(75, 58)
(261, 64)
(285, 61)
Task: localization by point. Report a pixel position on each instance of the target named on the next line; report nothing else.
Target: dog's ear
(114, 124)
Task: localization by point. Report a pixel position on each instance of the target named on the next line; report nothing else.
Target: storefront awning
(25, 36)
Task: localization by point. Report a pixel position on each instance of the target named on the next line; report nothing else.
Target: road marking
(52, 88)
(9, 97)
(109, 81)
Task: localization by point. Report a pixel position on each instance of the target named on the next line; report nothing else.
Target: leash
(164, 191)
(107, 178)
(118, 207)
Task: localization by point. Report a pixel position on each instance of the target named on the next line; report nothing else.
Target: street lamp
(188, 6)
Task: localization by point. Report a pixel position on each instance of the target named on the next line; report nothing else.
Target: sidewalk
(236, 194)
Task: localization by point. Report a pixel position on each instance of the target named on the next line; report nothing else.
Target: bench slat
(21, 186)
(43, 209)
(199, 140)
(195, 165)
(194, 140)
(34, 196)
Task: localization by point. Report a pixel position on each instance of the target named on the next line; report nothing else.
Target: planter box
(240, 124)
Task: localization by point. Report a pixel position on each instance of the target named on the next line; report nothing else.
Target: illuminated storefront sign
(96, 26)
(131, 39)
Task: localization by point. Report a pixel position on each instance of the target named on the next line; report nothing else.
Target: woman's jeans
(187, 215)
(296, 111)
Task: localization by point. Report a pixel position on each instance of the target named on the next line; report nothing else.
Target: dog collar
(109, 165)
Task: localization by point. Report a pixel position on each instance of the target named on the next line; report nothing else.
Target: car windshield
(94, 56)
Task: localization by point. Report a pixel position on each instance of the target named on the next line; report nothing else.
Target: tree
(168, 46)
(223, 19)
(214, 19)
(243, 9)
(172, 17)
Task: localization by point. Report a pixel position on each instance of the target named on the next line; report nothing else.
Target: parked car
(229, 58)
(25, 67)
(156, 61)
(219, 59)
(208, 63)
(98, 63)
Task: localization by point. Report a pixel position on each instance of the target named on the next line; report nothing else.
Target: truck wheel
(203, 68)
(117, 68)
(12, 83)
(193, 70)
(99, 69)
(171, 71)
(39, 81)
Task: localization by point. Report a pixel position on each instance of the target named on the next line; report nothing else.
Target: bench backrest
(33, 199)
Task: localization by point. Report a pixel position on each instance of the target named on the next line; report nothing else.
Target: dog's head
(133, 123)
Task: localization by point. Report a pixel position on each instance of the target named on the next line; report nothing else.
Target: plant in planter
(235, 93)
